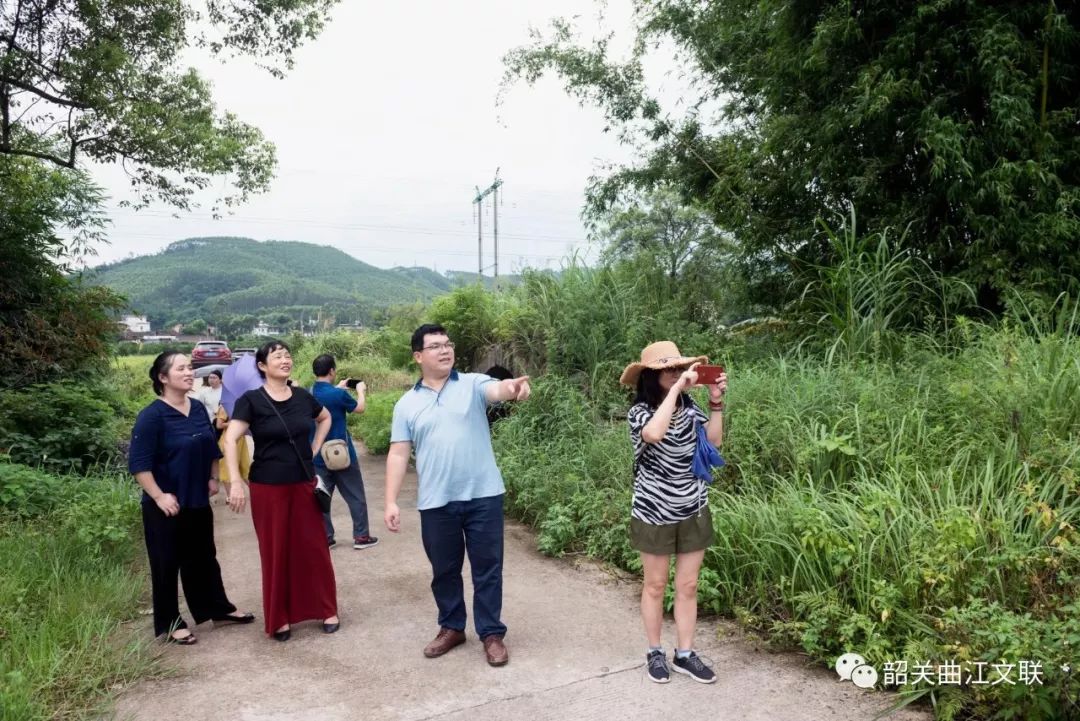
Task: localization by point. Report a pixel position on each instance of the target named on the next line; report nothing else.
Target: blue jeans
(350, 485)
(475, 527)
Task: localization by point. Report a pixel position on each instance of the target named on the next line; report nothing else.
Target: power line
(382, 178)
(419, 230)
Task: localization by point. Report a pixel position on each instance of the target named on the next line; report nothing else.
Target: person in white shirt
(210, 396)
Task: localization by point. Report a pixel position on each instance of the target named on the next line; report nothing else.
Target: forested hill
(213, 277)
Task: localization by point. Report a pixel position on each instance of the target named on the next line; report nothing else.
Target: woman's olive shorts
(692, 534)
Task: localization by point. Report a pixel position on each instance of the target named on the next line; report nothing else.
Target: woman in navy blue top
(174, 457)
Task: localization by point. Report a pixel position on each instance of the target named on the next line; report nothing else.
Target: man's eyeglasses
(449, 345)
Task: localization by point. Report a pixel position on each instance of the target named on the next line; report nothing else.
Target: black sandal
(235, 618)
(188, 640)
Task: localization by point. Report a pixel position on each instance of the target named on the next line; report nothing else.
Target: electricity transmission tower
(493, 191)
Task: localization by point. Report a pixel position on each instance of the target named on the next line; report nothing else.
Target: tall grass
(902, 484)
(898, 510)
(874, 293)
(68, 585)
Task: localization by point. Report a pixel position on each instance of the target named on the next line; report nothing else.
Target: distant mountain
(427, 275)
(212, 277)
(453, 278)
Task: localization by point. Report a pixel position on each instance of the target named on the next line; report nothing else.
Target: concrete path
(575, 639)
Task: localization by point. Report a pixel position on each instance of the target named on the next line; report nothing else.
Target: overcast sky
(386, 126)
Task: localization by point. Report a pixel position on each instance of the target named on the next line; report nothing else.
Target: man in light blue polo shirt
(460, 490)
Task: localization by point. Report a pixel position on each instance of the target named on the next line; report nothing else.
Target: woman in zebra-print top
(670, 515)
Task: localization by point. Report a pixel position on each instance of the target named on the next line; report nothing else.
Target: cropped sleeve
(399, 425)
(145, 437)
(243, 410)
(637, 417)
(480, 384)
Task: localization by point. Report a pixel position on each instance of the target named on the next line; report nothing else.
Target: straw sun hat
(659, 355)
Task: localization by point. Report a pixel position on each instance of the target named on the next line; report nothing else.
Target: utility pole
(495, 211)
(479, 201)
(479, 232)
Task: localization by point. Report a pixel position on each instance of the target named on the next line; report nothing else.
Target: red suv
(210, 352)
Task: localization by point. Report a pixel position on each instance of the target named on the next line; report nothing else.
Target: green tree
(101, 80)
(468, 314)
(658, 226)
(235, 326)
(50, 324)
(952, 119)
(676, 252)
(196, 326)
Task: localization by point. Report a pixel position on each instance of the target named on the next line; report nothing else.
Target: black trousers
(183, 545)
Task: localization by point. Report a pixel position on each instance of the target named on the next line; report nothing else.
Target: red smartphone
(708, 375)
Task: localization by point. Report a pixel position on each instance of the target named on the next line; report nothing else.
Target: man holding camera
(348, 480)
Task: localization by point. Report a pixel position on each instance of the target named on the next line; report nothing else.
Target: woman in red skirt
(297, 575)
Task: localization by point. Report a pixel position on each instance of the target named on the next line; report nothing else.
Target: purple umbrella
(239, 378)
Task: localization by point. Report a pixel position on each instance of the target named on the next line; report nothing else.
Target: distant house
(353, 327)
(136, 323)
(262, 329)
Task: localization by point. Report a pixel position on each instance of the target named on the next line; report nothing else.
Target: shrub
(468, 314)
(25, 492)
(61, 425)
(372, 426)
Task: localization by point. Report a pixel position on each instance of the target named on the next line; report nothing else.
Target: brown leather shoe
(495, 650)
(446, 639)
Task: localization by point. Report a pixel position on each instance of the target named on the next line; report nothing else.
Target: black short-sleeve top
(276, 460)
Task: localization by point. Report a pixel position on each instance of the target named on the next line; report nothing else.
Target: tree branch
(14, 47)
(5, 97)
(74, 143)
(7, 149)
(26, 110)
(42, 94)
(5, 119)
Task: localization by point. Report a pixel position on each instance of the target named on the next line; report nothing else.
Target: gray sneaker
(362, 542)
(657, 665)
(694, 667)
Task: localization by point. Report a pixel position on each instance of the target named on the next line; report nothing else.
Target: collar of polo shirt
(420, 380)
